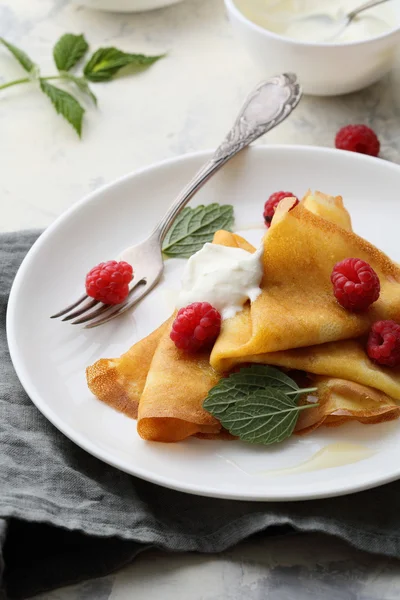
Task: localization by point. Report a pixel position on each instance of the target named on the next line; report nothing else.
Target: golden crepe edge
(341, 401)
(111, 381)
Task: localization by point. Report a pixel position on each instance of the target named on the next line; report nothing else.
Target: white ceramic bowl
(322, 69)
(126, 6)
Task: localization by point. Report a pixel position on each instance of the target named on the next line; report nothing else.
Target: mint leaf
(69, 50)
(65, 104)
(81, 84)
(258, 404)
(240, 385)
(106, 62)
(196, 226)
(20, 55)
(265, 417)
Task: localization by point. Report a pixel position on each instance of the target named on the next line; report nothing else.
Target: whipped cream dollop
(225, 277)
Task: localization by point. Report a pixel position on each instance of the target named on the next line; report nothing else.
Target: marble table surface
(184, 103)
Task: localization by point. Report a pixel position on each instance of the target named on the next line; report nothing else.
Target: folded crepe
(297, 307)
(342, 401)
(171, 405)
(330, 208)
(119, 382)
(169, 386)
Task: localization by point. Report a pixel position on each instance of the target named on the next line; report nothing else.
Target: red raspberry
(355, 284)
(383, 344)
(272, 203)
(358, 138)
(196, 326)
(109, 281)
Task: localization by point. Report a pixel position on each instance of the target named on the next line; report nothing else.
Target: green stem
(16, 82)
(27, 80)
(304, 406)
(301, 391)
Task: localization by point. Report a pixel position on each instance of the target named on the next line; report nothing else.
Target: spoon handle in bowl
(369, 4)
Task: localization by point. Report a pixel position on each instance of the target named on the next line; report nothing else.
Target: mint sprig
(258, 404)
(68, 51)
(240, 385)
(196, 226)
(264, 417)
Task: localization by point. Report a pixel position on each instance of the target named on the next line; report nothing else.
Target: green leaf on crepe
(65, 104)
(258, 404)
(196, 226)
(106, 62)
(265, 417)
(69, 50)
(20, 55)
(82, 84)
(243, 383)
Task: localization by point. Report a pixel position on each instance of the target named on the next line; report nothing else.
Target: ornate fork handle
(267, 106)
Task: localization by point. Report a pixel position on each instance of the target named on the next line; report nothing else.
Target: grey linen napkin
(66, 516)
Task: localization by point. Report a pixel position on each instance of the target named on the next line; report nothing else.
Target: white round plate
(50, 357)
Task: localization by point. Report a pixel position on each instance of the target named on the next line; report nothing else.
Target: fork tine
(118, 310)
(81, 310)
(68, 308)
(95, 313)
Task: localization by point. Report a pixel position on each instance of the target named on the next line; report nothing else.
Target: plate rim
(87, 444)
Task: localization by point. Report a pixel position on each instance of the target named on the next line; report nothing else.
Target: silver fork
(267, 106)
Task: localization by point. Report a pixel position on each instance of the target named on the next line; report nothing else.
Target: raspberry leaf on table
(65, 104)
(23, 59)
(106, 62)
(69, 50)
(67, 53)
(196, 226)
(259, 404)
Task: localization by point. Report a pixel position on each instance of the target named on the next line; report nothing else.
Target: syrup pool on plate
(288, 18)
(333, 455)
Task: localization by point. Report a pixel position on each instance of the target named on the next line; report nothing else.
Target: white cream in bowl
(272, 32)
(290, 18)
